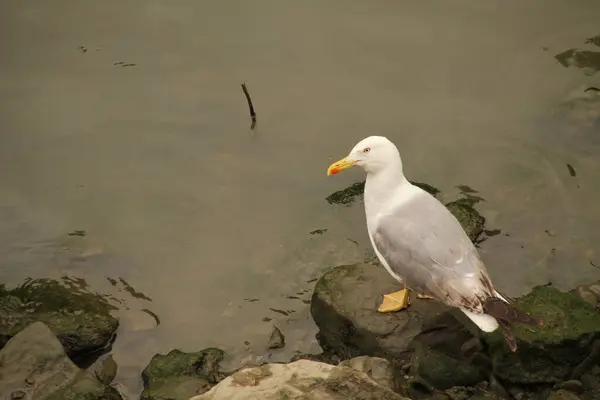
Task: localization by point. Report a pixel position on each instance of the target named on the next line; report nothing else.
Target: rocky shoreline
(51, 333)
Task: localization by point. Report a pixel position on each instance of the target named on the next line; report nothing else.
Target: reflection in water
(155, 165)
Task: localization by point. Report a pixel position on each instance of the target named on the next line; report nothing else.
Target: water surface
(156, 162)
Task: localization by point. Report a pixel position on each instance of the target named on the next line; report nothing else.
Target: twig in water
(250, 106)
(593, 265)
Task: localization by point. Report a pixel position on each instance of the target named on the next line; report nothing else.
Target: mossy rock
(86, 387)
(471, 221)
(344, 307)
(179, 375)
(80, 319)
(446, 355)
(549, 353)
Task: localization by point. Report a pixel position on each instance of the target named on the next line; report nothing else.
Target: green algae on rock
(471, 221)
(179, 375)
(550, 353)
(81, 319)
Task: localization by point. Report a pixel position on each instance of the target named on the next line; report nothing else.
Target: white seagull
(422, 245)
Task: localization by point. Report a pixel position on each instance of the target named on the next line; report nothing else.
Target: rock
(276, 340)
(301, 379)
(471, 221)
(33, 364)
(572, 385)
(562, 395)
(448, 356)
(591, 382)
(344, 307)
(586, 295)
(378, 369)
(80, 319)
(179, 375)
(105, 369)
(564, 346)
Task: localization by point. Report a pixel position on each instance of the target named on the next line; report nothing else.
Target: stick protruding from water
(250, 106)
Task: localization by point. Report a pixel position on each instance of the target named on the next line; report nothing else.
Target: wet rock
(105, 369)
(276, 340)
(344, 307)
(378, 369)
(301, 379)
(179, 375)
(563, 395)
(591, 382)
(33, 364)
(552, 353)
(80, 319)
(470, 220)
(572, 385)
(586, 295)
(448, 356)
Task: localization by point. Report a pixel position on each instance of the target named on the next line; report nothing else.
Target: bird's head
(371, 154)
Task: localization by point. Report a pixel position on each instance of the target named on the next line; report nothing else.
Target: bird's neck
(382, 186)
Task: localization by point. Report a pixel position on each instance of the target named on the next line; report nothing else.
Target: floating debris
(353, 241)
(267, 319)
(318, 232)
(152, 314)
(594, 40)
(287, 314)
(129, 289)
(83, 49)
(571, 170)
(77, 233)
(466, 189)
(251, 300)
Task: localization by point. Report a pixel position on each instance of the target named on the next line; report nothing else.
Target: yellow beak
(339, 165)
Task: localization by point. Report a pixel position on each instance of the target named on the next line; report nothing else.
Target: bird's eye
(366, 149)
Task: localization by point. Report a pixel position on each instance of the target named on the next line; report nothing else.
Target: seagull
(423, 246)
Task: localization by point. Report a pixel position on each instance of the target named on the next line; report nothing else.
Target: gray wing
(424, 244)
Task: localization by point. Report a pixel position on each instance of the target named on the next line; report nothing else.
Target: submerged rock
(301, 379)
(344, 307)
(33, 364)
(179, 375)
(565, 346)
(80, 319)
(471, 221)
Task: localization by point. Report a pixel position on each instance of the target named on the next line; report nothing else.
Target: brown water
(156, 161)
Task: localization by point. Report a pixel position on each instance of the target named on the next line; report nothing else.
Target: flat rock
(81, 320)
(566, 345)
(179, 375)
(33, 364)
(378, 369)
(344, 307)
(303, 379)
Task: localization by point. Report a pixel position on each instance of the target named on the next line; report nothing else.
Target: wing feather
(425, 245)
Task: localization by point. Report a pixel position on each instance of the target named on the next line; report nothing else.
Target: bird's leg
(394, 301)
(424, 297)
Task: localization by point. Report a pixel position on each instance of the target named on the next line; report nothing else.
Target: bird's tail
(507, 314)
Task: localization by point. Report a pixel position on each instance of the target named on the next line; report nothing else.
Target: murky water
(155, 161)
